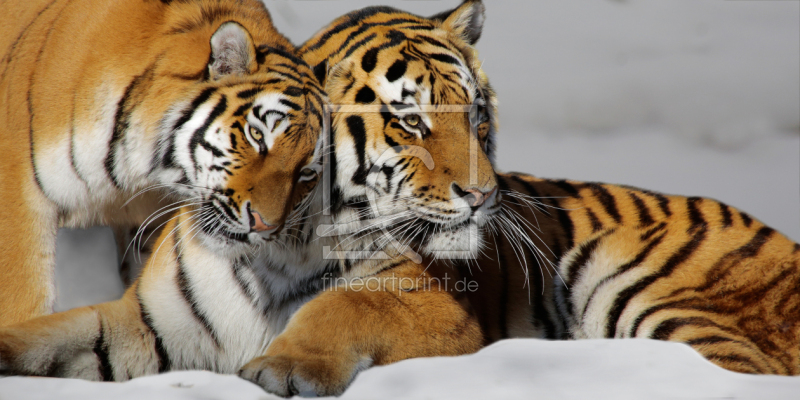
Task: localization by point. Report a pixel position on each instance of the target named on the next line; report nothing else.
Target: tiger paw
(308, 377)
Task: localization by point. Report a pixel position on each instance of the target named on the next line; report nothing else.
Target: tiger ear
(232, 52)
(465, 21)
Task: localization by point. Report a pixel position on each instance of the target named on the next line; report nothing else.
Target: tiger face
(413, 128)
(244, 151)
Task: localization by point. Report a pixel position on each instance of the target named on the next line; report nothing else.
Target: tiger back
(112, 111)
(620, 262)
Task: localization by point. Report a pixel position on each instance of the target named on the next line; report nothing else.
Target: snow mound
(511, 369)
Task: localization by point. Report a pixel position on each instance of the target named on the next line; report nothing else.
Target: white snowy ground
(692, 97)
(512, 369)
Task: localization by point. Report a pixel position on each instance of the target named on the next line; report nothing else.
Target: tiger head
(243, 150)
(413, 129)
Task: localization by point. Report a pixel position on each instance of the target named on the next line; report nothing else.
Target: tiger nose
(258, 225)
(474, 197)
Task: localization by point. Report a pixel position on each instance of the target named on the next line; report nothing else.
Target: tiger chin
(113, 113)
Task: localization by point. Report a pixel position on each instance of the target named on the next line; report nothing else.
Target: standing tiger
(107, 107)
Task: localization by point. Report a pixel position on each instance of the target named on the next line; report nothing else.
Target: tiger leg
(398, 314)
(104, 342)
(27, 247)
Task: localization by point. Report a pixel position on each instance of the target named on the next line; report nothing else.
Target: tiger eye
(255, 133)
(412, 120)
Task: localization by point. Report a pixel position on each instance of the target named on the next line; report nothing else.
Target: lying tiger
(597, 261)
(553, 259)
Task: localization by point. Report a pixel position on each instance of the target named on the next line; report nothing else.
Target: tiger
(108, 117)
(551, 258)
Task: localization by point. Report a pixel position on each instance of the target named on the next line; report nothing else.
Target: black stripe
(709, 340)
(728, 358)
(432, 41)
(369, 61)
(164, 362)
(186, 290)
(525, 185)
(566, 225)
(365, 95)
(291, 104)
(396, 71)
(238, 266)
(666, 328)
(695, 216)
(624, 297)
(72, 162)
(573, 269)
(122, 119)
(727, 217)
(623, 269)
(752, 248)
(287, 55)
(31, 81)
(100, 350)
(355, 125)
(198, 138)
(196, 102)
(240, 111)
(607, 200)
(248, 93)
(746, 219)
(645, 219)
(445, 59)
(566, 186)
(293, 91)
(320, 72)
(663, 202)
(597, 226)
(350, 20)
(359, 45)
(363, 28)
(652, 231)
(336, 195)
(389, 141)
(169, 154)
(12, 49)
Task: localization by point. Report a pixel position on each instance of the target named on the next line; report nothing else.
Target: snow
(692, 97)
(511, 369)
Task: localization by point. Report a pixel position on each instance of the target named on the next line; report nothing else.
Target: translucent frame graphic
(380, 221)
